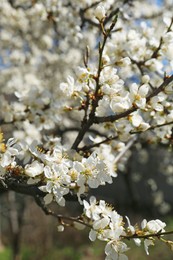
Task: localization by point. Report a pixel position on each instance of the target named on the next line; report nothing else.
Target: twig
(59, 217)
(152, 127)
(148, 235)
(155, 53)
(126, 148)
(89, 147)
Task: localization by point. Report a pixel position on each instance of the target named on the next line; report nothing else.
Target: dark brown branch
(138, 64)
(61, 132)
(111, 15)
(86, 20)
(89, 147)
(113, 118)
(152, 127)
(20, 6)
(148, 235)
(59, 217)
(23, 188)
(19, 185)
(87, 123)
(156, 91)
(156, 52)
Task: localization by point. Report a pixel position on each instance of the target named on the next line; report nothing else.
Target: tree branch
(59, 217)
(19, 185)
(113, 118)
(148, 235)
(89, 147)
(86, 123)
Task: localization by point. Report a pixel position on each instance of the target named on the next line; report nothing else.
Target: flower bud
(100, 12)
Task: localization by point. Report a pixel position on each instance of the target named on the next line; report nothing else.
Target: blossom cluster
(59, 171)
(124, 87)
(28, 74)
(107, 225)
(117, 98)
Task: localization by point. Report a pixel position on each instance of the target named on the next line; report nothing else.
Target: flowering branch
(87, 123)
(48, 157)
(153, 127)
(113, 118)
(159, 234)
(89, 147)
(61, 218)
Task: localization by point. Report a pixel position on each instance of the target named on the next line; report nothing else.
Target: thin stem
(155, 53)
(89, 147)
(148, 235)
(152, 127)
(59, 217)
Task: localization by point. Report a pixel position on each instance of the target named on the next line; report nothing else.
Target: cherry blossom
(83, 82)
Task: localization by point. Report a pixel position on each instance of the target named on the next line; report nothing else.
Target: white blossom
(34, 169)
(153, 226)
(138, 95)
(64, 73)
(100, 12)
